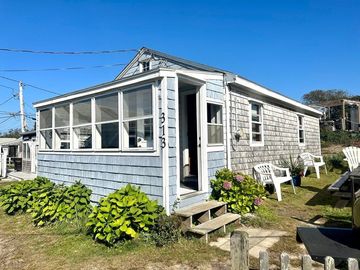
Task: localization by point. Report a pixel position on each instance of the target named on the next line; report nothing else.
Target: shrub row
(47, 202)
(122, 215)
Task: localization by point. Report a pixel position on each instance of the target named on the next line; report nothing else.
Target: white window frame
(41, 139)
(91, 124)
(98, 136)
(301, 128)
(213, 102)
(141, 65)
(61, 127)
(261, 106)
(117, 151)
(154, 130)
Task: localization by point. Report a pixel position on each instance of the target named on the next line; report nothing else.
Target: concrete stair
(206, 217)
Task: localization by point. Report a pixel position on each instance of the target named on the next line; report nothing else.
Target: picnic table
(339, 243)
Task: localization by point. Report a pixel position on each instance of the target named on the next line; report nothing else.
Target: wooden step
(199, 208)
(214, 224)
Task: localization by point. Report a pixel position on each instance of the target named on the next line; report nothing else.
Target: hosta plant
(241, 192)
(20, 196)
(122, 215)
(61, 203)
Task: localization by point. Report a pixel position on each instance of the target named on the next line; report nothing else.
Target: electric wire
(6, 119)
(68, 52)
(62, 68)
(31, 85)
(6, 101)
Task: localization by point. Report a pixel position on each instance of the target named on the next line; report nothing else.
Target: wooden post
(329, 263)
(306, 262)
(284, 261)
(239, 250)
(264, 260)
(353, 264)
(343, 120)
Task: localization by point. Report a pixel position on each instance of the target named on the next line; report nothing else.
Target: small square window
(145, 66)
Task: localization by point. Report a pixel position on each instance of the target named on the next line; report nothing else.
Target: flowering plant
(241, 192)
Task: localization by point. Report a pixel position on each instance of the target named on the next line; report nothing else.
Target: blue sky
(290, 46)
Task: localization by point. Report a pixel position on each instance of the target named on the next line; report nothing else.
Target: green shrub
(122, 215)
(336, 162)
(342, 137)
(166, 230)
(20, 196)
(61, 203)
(242, 193)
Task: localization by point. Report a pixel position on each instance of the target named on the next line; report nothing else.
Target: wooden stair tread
(214, 224)
(198, 208)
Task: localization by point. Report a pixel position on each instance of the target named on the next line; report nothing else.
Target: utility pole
(22, 115)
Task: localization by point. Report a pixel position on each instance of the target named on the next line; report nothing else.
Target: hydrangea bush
(241, 192)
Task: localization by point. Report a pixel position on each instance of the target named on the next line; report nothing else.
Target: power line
(6, 119)
(6, 101)
(67, 52)
(63, 68)
(5, 86)
(27, 84)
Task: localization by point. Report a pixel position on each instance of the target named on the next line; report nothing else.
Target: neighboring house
(167, 125)
(342, 114)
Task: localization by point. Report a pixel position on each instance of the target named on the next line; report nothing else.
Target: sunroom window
(138, 118)
(301, 129)
(256, 124)
(46, 129)
(62, 127)
(215, 124)
(82, 124)
(107, 123)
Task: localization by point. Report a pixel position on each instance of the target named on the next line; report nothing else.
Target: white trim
(266, 92)
(215, 148)
(215, 101)
(256, 144)
(165, 150)
(204, 139)
(110, 152)
(177, 127)
(228, 131)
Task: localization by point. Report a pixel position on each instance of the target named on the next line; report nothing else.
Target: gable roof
(177, 60)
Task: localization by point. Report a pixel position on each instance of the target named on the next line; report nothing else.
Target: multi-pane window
(256, 124)
(94, 123)
(215, 124)
(82, 124)
(145, 66)
(107, 121)
(138, 118)
(301, 129)
(46, 129)
(62, 127)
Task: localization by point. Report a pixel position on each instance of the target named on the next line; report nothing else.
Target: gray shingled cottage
(167, 124)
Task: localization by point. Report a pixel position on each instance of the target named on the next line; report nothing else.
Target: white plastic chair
(352, 155)
(265, 174)
(311, 160)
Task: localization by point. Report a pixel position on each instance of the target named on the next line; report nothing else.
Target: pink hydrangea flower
(239, 178)
(257, 201)
(227, 185)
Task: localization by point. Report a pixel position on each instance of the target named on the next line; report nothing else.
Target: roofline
(263, 91)
(95, 87)
(175, 59)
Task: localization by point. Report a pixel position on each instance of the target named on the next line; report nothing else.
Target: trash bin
(18, 164)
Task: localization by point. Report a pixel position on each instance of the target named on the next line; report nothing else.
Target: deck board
(215, 223)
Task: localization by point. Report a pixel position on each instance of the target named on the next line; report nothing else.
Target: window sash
(256, 124)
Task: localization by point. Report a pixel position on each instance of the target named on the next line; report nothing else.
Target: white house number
(163, 140)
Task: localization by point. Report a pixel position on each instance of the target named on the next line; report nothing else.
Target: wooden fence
(239, 249)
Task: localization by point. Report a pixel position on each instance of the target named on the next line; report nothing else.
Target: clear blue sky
(290, 46)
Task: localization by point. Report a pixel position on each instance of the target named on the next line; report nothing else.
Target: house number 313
(163, 140)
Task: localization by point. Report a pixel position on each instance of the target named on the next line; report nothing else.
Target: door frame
(200, 90)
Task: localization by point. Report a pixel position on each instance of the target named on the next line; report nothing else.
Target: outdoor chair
(352, 155)
(268, 173)
(311, 160)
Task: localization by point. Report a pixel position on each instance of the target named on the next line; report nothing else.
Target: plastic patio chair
(265, 174)
(311, 160)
